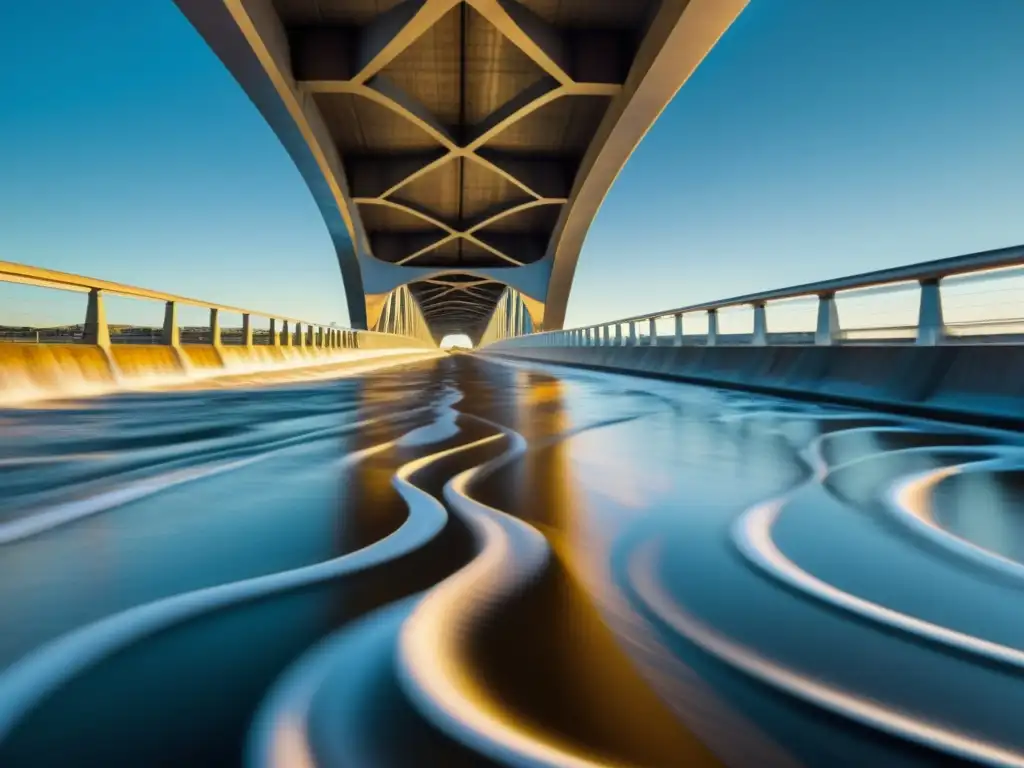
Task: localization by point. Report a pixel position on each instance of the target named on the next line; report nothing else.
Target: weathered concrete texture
(975, 383)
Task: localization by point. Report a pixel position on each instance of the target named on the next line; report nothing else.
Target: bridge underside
(467, 143)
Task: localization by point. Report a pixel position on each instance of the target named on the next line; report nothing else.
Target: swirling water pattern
(473, 562)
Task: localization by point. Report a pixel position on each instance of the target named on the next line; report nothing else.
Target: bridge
(460, 148)
(776, 529)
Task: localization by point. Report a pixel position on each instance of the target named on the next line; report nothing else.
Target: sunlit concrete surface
(32, 374)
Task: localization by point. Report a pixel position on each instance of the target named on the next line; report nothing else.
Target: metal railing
(95, 328)
(930, 328)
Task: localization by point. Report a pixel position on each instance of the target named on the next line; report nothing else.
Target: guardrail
(96, 330)
(930, 328)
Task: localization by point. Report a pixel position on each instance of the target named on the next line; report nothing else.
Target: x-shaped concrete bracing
(290, 66)
(380, 181)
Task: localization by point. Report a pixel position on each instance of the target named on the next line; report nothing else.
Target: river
(467, 561)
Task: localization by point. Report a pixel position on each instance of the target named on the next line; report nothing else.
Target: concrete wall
(373, 340)
(33, 371)
(980, 383)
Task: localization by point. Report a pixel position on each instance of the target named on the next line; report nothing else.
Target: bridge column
(215, 327)
(652, 332)
(247, 330)
(712, 328)
(171, 334)
(275, 340)
(618, 334)
(760, 336)
(300, 340)
(632, 333)
(604, 336)
(827, 332)
(96, 331)
(678, 340)
(320, 338)
(286, 336)
(931, 328)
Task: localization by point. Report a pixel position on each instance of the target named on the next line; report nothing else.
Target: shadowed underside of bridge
(460, 146)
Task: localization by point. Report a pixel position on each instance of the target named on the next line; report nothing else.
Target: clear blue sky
(821, 137)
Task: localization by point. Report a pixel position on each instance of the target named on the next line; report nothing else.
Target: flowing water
(463, 561)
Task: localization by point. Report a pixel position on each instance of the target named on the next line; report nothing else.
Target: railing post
(309, 336)
(275, 340)
(604, 335)
(678, 341)
(171, 334)
(652, 332)
(247, 329)
(930, 326)
(618, 334)
(760, 335)
(215, 327)
(712, 328)
(827, 331)
(300, 340)
(96, 331)
(632, 333)
(320, 338)
(286, 336)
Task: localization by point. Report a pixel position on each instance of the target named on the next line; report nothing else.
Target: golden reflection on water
(549, 655)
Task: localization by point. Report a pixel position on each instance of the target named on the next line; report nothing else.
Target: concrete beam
(251, 42)
(678, 38)
(373, 176)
